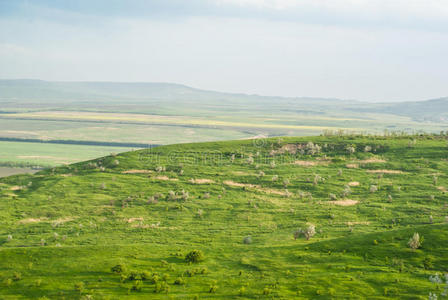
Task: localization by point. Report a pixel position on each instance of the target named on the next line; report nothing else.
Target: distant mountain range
(39, 92)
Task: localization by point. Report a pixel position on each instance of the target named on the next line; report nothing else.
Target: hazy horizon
(376, 51)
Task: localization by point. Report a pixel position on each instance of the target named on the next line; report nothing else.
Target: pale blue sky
(376, 50)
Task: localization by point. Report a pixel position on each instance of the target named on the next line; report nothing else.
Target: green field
(164, 113)
(24, 154)
(120, 227)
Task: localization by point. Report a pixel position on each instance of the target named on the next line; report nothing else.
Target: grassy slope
(91, 210)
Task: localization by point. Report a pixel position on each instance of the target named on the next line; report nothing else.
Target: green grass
(102, 216)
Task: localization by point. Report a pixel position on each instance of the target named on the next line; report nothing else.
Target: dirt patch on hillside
(353, 183)
(201, 181)
(442, 188)
(288, 148)
(352, 166)
(15, 188)
(385, 171)
(372, 161)
(31, 220)
(305, 163)
(132, 220)
(275, 192)
(345, 202)
(237, 184)
(257, 187)
(166, 178)
(351, 223)
(62, 220)
(136, 172)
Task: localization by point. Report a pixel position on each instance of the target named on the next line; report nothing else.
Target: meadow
(323, 217)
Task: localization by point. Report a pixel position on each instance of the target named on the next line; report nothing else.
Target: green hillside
(285, 218)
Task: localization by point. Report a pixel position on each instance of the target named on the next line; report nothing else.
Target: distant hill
(25, 91)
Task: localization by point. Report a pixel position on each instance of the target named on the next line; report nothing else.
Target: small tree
(308, 232)
(415, 241)
(194, 256)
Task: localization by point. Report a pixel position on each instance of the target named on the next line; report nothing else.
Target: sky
(370, 50)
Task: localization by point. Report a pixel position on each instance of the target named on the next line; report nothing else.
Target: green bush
(195, 256)
(120, 268)
(179, 281)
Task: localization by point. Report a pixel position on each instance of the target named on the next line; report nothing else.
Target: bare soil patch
(345, 202)
(201, 181)
(237, 184)
(31, 220)
(136, 171)
(385, 171)
(351, 223)
(166, 178)
(352, 166)
(132, 220)
(372, 161)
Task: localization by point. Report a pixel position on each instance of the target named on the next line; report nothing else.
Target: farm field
(5, 171)
(328, 217)
(25, 154)
(163, 113)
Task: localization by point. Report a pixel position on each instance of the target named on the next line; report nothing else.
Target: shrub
(194, 256)
(184, 195)
(316, 179)
(285, 182)
(154, 278)
(16, 276)
(171, 195)
(79, 287)
(213, 287)
(274, 178)
(137, 286)
(161, 287)
(179, 281)
(9, 237)
(134, 275)
(241, 291)
(266, 291)
(427, 263)
(38, 282)
(308, 232)
(8, 282)
(333, 196)
(247, 240)
(206, 195)
(373, 188)
(415, 241)
(350, 149)
(120, 268)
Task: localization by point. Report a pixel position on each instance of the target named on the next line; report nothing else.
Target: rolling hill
(308, 218)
